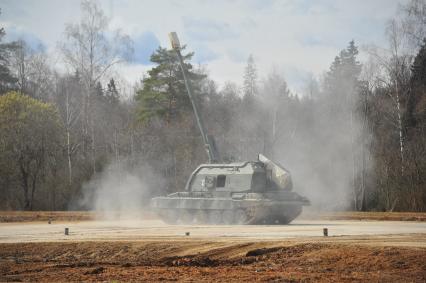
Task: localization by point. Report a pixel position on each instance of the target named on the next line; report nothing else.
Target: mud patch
(263, 251)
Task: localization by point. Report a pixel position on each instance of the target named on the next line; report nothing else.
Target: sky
(297, 38)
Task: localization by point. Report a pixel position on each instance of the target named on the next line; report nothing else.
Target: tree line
(355, 139)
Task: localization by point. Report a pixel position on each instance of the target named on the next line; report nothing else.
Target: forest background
(356, 140)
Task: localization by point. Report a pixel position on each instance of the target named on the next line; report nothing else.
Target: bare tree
(20, 61)
(31, 68)
(92, 50)
(275, 95)
(68, 98)
(40, 75)
(395, 63)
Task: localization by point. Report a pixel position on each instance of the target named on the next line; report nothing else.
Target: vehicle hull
(240, 208)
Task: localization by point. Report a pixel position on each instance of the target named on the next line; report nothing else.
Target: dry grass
(379, 216)
(26, 216)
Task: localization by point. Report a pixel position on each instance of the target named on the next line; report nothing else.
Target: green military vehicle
(250, 192)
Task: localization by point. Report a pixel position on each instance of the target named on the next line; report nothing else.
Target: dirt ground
(149, 250)
(25, 216)
(210, 261)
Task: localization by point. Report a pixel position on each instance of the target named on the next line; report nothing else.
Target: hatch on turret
(234, 177)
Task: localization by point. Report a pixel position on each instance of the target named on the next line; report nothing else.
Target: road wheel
(185, 217)
(268, 220)
(215, 217)
(241, 216)
(170, 216)
(283, 221)
(228, 217)
(200, 217)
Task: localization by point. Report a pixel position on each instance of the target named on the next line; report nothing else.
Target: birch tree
(68, 99)
(93, 50)
(395, 64)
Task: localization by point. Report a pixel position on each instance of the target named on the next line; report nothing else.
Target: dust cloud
(321, 137)
(120, 192)
(323, 146)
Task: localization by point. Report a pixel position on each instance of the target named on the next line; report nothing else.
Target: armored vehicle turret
(249, 192)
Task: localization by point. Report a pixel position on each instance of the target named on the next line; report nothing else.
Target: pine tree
(98, 90)
(250, 78)
(338, 111)
(7, 80)
(164, 94)
(344, 71)
(417, 93)
(112, 92)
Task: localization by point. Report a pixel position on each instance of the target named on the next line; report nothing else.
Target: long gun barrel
(208, 140)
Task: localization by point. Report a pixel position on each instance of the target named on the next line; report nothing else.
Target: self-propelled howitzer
(249, 192)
